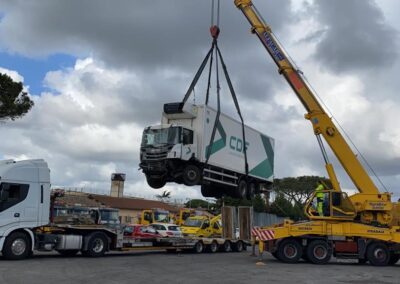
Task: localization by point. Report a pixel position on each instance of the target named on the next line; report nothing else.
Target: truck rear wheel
(289, 251)
(241, 190)
(319, 252)
(251, 191)
(17, 246)
(156, 182)
(378, 254)
(97, 245)
(191, 175)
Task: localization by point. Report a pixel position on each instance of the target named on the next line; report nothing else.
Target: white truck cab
(24, 200)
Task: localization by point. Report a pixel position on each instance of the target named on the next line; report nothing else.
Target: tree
(258, 203)
(292, 194)
(198, 203)
(298, 189)
(164, 195)
(14, 103)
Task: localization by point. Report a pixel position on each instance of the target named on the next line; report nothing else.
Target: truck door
(12, 206)
(188, 149)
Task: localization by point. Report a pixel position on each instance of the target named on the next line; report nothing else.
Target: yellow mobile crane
(363, 226)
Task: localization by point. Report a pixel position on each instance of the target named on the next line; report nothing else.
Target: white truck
(26, 226)
(180, 150)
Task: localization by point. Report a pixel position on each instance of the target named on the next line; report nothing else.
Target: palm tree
(165, 195)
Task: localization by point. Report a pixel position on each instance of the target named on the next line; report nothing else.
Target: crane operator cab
(335, 205)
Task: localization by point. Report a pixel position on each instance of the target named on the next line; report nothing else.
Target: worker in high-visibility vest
(320, 198)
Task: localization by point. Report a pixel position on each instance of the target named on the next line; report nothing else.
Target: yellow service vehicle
(364, 226)
(202, 226)
(154, 216)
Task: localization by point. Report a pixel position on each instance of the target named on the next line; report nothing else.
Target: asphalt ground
(162, 267)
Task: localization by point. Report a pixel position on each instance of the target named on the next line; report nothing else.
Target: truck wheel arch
(23, 230)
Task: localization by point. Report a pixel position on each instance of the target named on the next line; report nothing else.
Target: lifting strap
(214, 30)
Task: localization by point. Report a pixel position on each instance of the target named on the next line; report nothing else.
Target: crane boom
(320, 120)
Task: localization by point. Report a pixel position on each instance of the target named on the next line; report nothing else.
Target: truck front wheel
(191, 175)
(17, 246)
(156, 182)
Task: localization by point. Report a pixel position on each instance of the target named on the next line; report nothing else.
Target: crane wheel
(319, 252)
(289, 251)
(378, 254)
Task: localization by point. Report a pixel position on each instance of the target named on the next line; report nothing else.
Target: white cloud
(13, 74)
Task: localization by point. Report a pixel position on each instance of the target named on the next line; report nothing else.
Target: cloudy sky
(99, 71)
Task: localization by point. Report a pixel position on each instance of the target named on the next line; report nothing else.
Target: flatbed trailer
(95, 241)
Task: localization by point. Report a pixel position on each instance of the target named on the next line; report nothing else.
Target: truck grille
(156, 153)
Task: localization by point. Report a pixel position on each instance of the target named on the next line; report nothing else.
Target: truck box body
(181, 155)
(227, 150)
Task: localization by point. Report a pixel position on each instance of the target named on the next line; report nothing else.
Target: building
(129, 207)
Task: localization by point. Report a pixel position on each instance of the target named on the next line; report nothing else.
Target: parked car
(167, 230)
(141, 232)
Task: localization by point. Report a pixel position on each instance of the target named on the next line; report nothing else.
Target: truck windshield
(109, 216)
(161, 217)
(154, 137)
(192, 223)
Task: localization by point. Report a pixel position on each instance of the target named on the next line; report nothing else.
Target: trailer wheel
(17, 246)
(238, 246)
(191, 175)
(289, 251)
(198, 247)
(378, 254)
(68, 252)
(213, 247)
(394, 258)
(97, 245)
(241, 190)
(227, 247)
(156, 183)
(319, 252)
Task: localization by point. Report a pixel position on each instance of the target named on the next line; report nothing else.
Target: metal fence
(265, 219)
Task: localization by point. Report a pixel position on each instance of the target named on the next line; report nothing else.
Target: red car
(141, 232)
